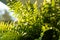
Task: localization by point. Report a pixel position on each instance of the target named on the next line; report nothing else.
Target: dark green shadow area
(50, 35)
(4, 1)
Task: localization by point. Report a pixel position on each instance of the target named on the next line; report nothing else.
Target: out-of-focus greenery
(32, 21)
(50, 12)
(7, 32)
(29, 19)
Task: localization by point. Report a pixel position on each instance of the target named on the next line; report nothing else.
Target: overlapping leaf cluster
(51, 14)
(29, 19)
(32, 20)
(7, 31)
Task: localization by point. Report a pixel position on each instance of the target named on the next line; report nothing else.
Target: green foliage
(51, 14)
(9, 36)
(6, 31)
(29, 19)
(32, 21)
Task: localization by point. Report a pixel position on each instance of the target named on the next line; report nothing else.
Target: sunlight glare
(48, 1)
(3, 6)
